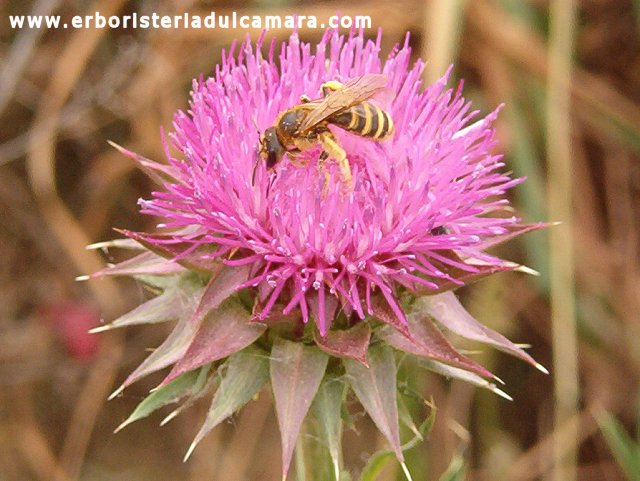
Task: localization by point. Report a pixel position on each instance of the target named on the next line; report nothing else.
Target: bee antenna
(255, 124)
(255, 169)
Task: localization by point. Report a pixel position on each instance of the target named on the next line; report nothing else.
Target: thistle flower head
(376, 257)
(434, 187)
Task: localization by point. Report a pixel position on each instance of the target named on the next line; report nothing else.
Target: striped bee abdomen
(365, 119)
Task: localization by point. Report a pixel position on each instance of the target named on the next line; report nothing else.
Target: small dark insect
(305, 125)
(440, 230)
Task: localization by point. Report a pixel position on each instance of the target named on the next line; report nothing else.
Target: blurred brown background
(569, 74)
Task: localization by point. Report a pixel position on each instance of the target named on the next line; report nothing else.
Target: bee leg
(305, 99)
(330, 86)
(327, 177)
(332, 148)
(293, 158)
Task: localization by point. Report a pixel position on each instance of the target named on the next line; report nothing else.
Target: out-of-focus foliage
(625, 449)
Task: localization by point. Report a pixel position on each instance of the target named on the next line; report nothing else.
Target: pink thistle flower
(376, 259)
(434, 187)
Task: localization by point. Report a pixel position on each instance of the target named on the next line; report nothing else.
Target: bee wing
(383, 98)
(353, 92)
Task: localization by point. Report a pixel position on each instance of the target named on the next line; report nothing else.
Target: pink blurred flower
(70, 321)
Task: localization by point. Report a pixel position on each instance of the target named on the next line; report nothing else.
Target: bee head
(271, 150)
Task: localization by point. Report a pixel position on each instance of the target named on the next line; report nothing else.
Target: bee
(306, 125)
